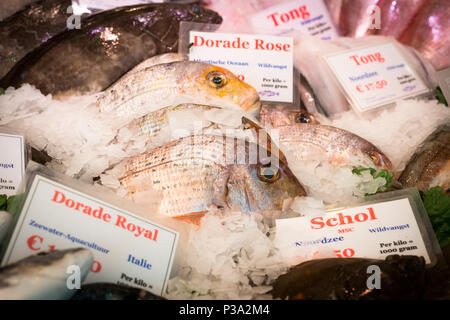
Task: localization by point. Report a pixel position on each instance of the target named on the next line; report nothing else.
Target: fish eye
(302, 118)
(268, 174)
(216, 79)
(374, 159)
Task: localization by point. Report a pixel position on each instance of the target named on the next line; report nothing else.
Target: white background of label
(120, 242)
(344, 67)
(253, 73)
(365, 243)
(315, 8)
(12, 152)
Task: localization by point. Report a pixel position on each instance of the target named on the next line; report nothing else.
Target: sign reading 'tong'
(375, 76)
(308, 16)
(127, 249)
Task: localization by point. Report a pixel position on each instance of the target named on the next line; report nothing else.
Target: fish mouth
(252, 105)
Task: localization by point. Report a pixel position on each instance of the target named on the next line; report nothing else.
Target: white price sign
(127, 249)
(264, 62)
(308, 16)
(375, 76)
(12, 163)
(371, 231)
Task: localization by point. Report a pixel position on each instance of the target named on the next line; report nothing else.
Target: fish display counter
(224, 150)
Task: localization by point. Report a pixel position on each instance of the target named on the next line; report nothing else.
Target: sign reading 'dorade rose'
(265, 62)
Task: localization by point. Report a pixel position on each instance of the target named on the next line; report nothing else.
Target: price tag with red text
(12, 163)
(308, 16)
(371, 231)
(264, 62)
(127, 249)
(375, 76)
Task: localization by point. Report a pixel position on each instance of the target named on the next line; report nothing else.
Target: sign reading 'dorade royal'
(265, 62)
(308, 16)
(12, 163)
(127, 249)
(375, 76)
(370, 231)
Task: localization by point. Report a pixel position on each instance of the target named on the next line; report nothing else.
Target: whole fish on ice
(79, 62)
(183, 82)
(43, 276)
(197, 172)
(341, 148)
(100, 137)
(322, 157)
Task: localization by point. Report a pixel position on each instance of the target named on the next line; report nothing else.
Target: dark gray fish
(109, 291)
(43, 276)
(402, 277)
(28, 29)
(108, 45)
(430, 165)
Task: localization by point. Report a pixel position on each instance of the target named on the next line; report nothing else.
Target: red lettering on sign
(294, 14)
(33, 241)
(376, 57)
(318, 222)
(96, 267)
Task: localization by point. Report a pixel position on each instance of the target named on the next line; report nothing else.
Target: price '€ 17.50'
(372, 86)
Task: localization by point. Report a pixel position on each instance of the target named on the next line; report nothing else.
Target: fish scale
(195, 147)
